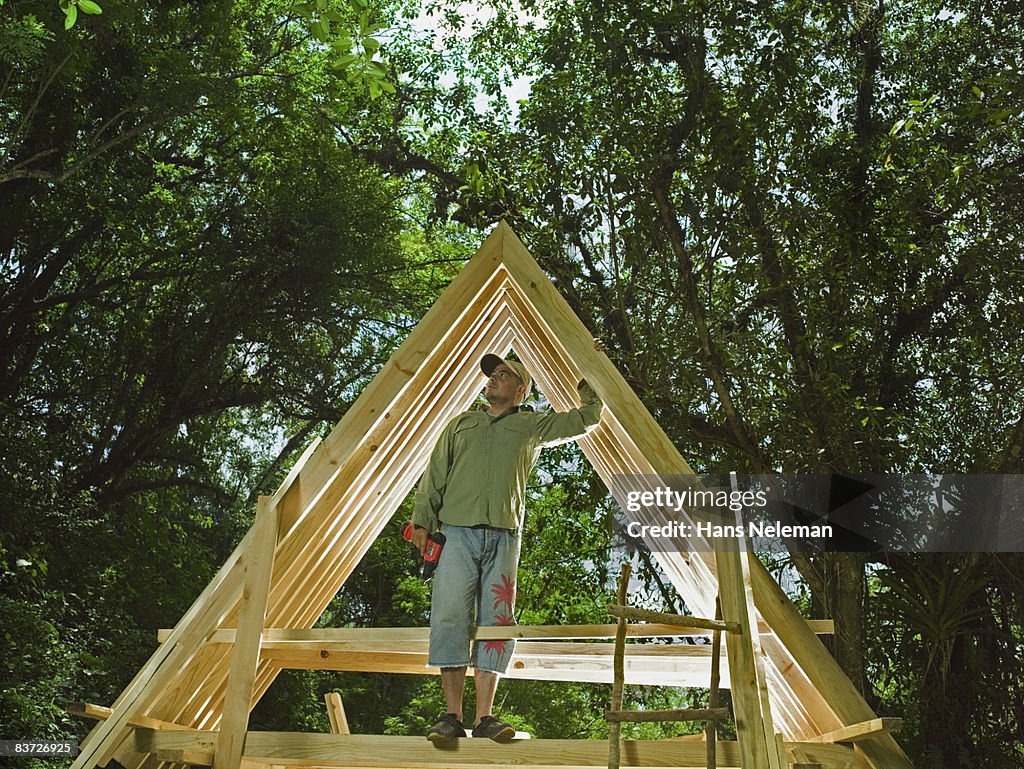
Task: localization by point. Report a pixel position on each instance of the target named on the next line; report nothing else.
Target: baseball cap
(491, 361)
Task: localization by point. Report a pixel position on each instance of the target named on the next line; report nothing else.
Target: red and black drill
(435, 542)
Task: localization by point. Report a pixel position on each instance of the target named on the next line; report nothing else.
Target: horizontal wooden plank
(551, 649)
(553, 632)
(861, 731)
(341, 751)
(678, 714)
(686, 665)
(676, 620)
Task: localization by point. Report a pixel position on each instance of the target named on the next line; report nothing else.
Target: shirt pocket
(464, 435)
(514, 434)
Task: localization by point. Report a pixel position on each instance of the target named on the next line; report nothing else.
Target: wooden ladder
(616, 716)
(760, 747)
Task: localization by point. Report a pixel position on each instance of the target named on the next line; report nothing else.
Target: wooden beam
(613, 452)
(677, 620)
(678, 714)
(157, 674)
(861, 731)
(310, 556)
(754, 726)
(355, 751)
(523, 632)
(336, 713)
(683, 665)
(403, 635)
(259, 564)
(102, 713)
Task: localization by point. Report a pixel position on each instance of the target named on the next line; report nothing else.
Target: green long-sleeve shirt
(480, 466)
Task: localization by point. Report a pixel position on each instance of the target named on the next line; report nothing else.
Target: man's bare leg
(453, 682)
(486, 686)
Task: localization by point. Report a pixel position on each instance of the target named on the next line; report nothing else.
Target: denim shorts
(474, 585)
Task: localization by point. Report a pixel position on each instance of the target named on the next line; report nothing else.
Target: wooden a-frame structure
(190, 702)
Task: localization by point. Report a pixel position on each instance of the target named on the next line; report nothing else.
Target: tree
(197, 276)
(798, 226)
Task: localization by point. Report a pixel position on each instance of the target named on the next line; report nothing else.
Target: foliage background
(797, 225)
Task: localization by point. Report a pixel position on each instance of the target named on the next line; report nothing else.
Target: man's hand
(419, 538)
(599, 345)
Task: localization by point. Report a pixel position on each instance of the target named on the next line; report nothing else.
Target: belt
(492, 528)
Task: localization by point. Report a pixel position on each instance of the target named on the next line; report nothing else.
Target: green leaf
(71, 16)
(322, 30)
(88, 6)
(342, 62)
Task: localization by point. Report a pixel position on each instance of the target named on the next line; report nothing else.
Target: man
(474, 492)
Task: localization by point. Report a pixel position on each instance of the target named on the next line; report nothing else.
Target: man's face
(503, 386)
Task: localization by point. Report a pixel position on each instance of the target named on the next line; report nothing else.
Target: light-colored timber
(811, 691)
(258, 563)
(755, 731)
(646, 664)
(375, 635)
(102, 713)
(678, 714)
(339, 498)
(336, 713)
(355, 751)
(678, 620)
(856, 732)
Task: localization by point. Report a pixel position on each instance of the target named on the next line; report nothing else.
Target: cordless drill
(435, 542)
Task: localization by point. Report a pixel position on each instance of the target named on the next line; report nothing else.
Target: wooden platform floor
(336, 751)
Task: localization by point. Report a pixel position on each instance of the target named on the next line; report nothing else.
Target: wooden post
(755, 731)
(259, 565)
(336, 712)
(716, 651)
(619, 675)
